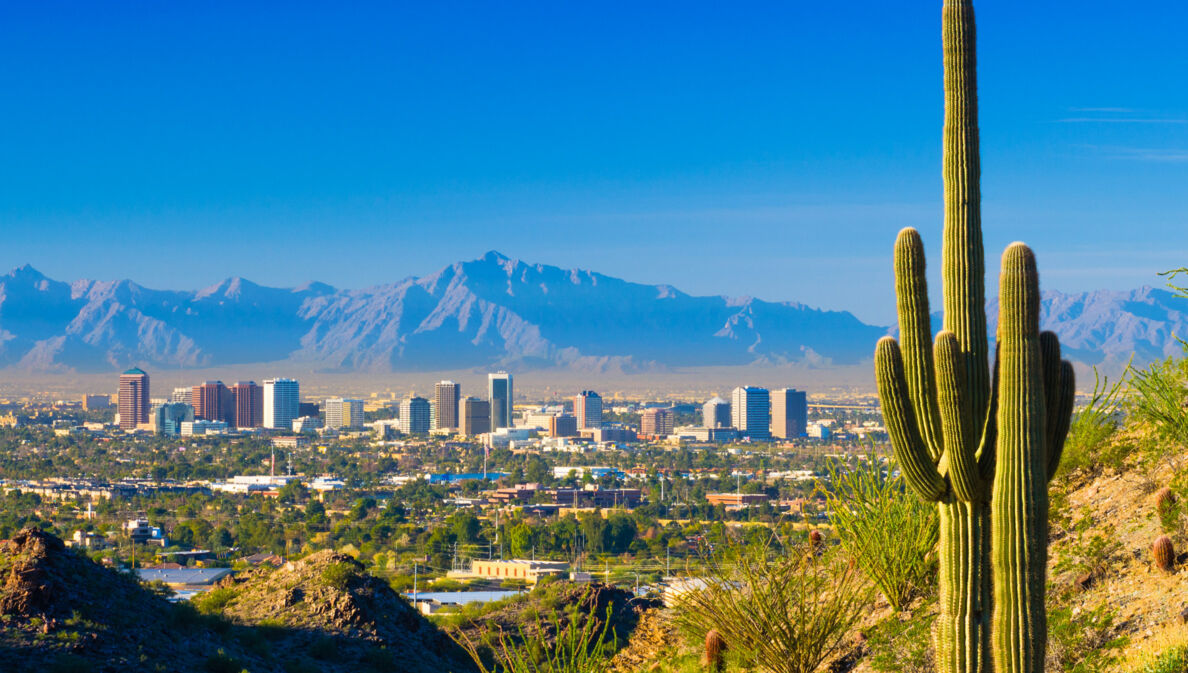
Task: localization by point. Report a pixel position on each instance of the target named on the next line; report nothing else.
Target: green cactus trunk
(963, 625)
(1020, 499)
(954, 429)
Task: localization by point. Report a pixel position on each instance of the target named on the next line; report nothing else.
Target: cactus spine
(942, 410)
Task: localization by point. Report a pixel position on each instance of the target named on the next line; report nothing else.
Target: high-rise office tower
(168, 417)
(212, 401)
(183, 395)
(281, 400)
(751, 410)
(249, 404)
(446, 396)
(587, 407)
(789, 413)
(716, 413)
(657, 422)
(502, 398)
(414, 415)
(344, 413)
(475, 416)
(134, 398)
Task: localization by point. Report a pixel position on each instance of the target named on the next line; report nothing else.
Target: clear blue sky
(770, 149)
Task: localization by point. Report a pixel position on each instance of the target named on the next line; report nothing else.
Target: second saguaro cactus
(982, 449)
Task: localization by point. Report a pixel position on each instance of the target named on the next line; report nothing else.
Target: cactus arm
(910, 449)
(956, 419)
(1019, 504)
(1058, 424)
(915, 330)
(963, 257)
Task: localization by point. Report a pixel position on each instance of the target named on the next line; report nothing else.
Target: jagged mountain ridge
(485, 312)
(492, 311)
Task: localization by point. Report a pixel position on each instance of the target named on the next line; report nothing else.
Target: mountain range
(491, 312)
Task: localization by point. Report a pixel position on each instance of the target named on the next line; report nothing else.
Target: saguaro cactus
(941, 401)
(1035, 397)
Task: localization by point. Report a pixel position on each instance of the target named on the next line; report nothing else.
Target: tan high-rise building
(134, 398)
(476, 416)
(446, 397)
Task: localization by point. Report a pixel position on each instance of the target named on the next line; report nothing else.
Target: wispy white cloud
(1157, 154)
(1120, 120)
(1102, 109)
(1119, 115)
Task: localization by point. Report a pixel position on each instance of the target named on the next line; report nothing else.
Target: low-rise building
(529, 571)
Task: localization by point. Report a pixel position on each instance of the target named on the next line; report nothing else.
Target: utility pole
(414, 584)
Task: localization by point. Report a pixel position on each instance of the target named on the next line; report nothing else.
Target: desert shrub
(1174, 660)
(1091, 428)
(581, 646)
(1090, 549)
(1082, 643)
(212, 602)
(338, 575)
(1157, 395)
(903, 645)
(324, 648)
(784, 612)
(890, 531)
(220, 662)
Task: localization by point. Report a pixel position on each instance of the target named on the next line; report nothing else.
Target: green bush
(891, 532)
(1174, 660)
(1156, 395)
(1084, 643)
(339, 575)
(787, 612)
(1091, 429)
(580, 646)
(214, 601)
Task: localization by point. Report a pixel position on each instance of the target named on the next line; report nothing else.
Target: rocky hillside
(61, 609)
(328, 602)
(62, 612)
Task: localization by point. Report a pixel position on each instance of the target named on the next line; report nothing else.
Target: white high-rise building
(182, 395)
(344, 413)
(716, 413)
(281, 400)
(750, 408)
(502, 398)
(446, 398)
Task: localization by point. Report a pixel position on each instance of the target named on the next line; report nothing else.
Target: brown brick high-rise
(249, 404)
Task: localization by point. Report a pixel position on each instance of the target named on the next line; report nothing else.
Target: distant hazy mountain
(1106, 327)
(492, 311)
(487, 312)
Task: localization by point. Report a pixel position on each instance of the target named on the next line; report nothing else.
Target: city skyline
(596, 128)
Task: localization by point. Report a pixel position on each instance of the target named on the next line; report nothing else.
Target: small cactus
(715, 651)
(1164, 499)
(1164, 553)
